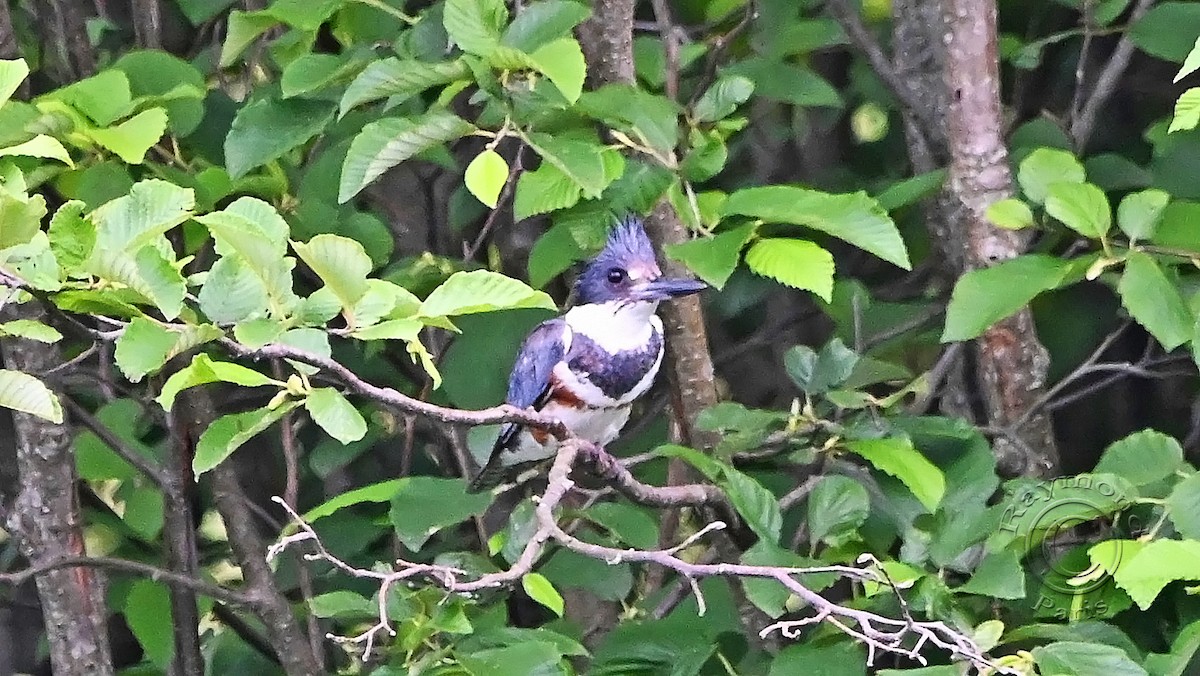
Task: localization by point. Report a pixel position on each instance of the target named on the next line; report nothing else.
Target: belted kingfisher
(587, 367)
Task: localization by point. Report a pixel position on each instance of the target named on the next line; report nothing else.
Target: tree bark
(1011, 363)
(45, 518)
(179, 535)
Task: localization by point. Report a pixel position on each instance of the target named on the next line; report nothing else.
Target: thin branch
(155, 573)
(1083, 124)
(153, 472)
(670, 37)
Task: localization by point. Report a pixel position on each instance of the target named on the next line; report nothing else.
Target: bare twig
(19, 577)
(148, 469)
(1084, 123)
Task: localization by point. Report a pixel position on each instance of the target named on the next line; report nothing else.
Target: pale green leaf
(385, 143)
(999, 575)
(40, 146)
(229, 432)
(72, 237)
(541, 590)
(897, 456)
(132, 221)
(562, 63)
(1080, 206)
(1187, 111)
(20, 218)
(1142, 457)
(482, 291)
(1190, 64)
(242, 29)
(1139, 213)
(1045, 166)
(1154, 301)
(340, 262)
(475, 25)
(20, 391)
(713, 259)
(337, 416)
(1159, 563)
(1010, 214)
(794, 262)
(30, 329)
(853, 217)
(143, 347)
(147, 604)
(378, 492)
(486, 176)
(983, 297)
(12, 74)
(132, 138)
(722, 98)
(204, 370)
(1183, 504)
(343, 604)
(544, 190)
(580, 161)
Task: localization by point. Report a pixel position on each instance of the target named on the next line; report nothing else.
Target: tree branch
(16, 578)
(1084, 122)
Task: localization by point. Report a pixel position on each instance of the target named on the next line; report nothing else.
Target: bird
(586, 367)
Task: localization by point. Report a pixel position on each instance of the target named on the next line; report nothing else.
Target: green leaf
(266, 129)
(143, 348)
(787, 82)
(228, 432)
(157, 78)
(22, 392)
(531, 657)
(398, 80)
(1183, 504)
(999, 576)
(1084, 659)
(897, 456)
(1183, 650)
(544, 190)
(983, 297)
(426, 505)
(132, 138)
(1080, 206)
(1167, 30)
(1187, 111)
(340, 262)
(1142, 457)
(30, 329)
(343, 604)
(1154, 301)
(337, 416)
(151, 208)
(854, 217)
(482, 291)
(12, 74)
(1139, 213)
(910, 190)
(580, 161)
(542, 22)
(486, 176)
(1190, 64)
(204, 370)
(148, 613)
(817, 373)
(722, 98)
(314, 72)
(1045, 166)
(540, 590)
(631, 525)
(253, 231)
(72, 237)
(40, 146)
(562, 63)
(837, 659)
(836, 506)
(1151, 567)
(243, 28)
(794, 262)
(233, 293)
(378, 492)
(20, 218)
(1010, 214)
(757, 505)
(385, 143)
(713, 259)
(475, 25)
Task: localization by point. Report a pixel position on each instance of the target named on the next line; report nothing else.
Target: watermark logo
(1056, 522)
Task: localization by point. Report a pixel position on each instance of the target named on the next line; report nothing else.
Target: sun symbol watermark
(1056, 523)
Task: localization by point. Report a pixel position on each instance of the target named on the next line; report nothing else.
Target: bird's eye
(616, 276)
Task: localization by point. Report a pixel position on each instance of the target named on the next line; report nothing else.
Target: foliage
(177, 218)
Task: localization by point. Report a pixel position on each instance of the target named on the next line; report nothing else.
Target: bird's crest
(626, 259)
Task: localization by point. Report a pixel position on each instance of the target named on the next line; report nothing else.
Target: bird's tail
(492, 475)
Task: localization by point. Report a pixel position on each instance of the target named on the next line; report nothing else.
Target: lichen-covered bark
(46, 521)
(1011, 363)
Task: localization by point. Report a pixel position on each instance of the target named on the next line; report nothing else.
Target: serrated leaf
(232, 293)
(337, 416)
(1080, 206)
(30, 329)
(425, 505)
(227, 433)
(385, 143)
(1084, 659)
(132, 221)
(266, 129)
(20, 218)
(482, 291)
(897, 456)
(1183, 504)
(22, 392)
(143, 347)
(1046, 166)
(1142, 457)
(983, 297)
(818, 372)
(540, 590)
(579, 161)
(1139, 213)
(544, 190)
(1187, 111)
(836, 506)
(542, 22)
(243, 28)
(203, 370)
(1154, 301)
(132, 138)
(147, 274)
(713, 259)
(908, 191)
(340, 262)
(398, 81)
(1145, 574)
(12, 74)
(999, 576)
(72, 237)
(561, 61)
(794, 262)
(475, 25)
(485, 177)
(1010, 214)
(343, 604)
(257, 241)
(854, 217)
(722, 98)
(40, 146)
(757, 505)
(1190, 64)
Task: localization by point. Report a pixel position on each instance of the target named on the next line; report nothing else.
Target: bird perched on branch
(587, 367)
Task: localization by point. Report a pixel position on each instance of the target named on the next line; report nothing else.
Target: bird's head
(626, 271)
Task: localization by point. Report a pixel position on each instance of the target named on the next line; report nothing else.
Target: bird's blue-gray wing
(528, 387)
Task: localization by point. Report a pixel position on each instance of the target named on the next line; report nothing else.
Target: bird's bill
(664, 289)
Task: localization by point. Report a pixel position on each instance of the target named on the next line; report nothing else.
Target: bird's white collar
(615, 326)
